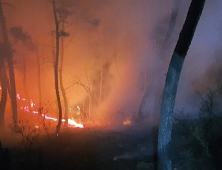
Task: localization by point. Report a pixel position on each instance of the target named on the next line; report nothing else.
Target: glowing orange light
(18, 96)
(128, 121)
(71, 122)
(31, 103)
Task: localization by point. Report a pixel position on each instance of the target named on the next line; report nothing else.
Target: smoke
(120, 41)
(202, 56)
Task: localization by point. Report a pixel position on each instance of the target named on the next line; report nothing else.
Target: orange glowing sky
(125, 33)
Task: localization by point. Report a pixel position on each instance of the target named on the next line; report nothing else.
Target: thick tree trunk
(56, 68)
(9, 59)
(61, 81)
(171, 83)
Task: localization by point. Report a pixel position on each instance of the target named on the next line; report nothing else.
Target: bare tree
(171, 83)
(56, 66)
(63, 14)
(61, 79)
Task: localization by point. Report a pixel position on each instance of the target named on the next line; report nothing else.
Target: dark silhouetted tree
(63, 13)
(144, 110)
(3, 80)
(56, 66)
(8, 53)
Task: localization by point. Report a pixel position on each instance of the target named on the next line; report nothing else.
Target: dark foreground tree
(144, 109)
(8, 52)
(171, 83)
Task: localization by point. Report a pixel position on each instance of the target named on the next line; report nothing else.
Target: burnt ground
(82, 149)
(196, 144)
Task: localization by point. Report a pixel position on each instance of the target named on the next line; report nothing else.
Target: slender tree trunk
(171, 83)
(24, 71)
(101, 86)
(3, 78)
(39, 77)
(9, 59)
(90, 103)
(61, 81)
(56, 68)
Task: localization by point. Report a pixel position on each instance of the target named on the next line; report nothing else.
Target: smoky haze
(120, 40)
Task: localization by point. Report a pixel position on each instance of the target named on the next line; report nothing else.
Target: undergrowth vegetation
(200, 138)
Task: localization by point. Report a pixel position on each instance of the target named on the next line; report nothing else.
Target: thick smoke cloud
(125, 37)
(202, 56)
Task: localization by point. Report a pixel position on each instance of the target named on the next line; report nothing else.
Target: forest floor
(82, 149)
(127, 148)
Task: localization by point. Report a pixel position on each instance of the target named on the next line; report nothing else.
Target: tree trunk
(100, 86)
(171, 83)
(9, 58)
(3, 78)
(56, 68)
(24, 72)
(90, 103)
(39, 77)
(61, 82)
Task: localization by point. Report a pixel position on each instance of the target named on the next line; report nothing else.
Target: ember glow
(78, 108)
(128, 121)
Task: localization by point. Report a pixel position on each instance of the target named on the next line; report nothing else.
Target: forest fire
(71, 122)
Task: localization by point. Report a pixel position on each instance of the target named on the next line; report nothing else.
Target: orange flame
(128, 121)
(71, 122)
